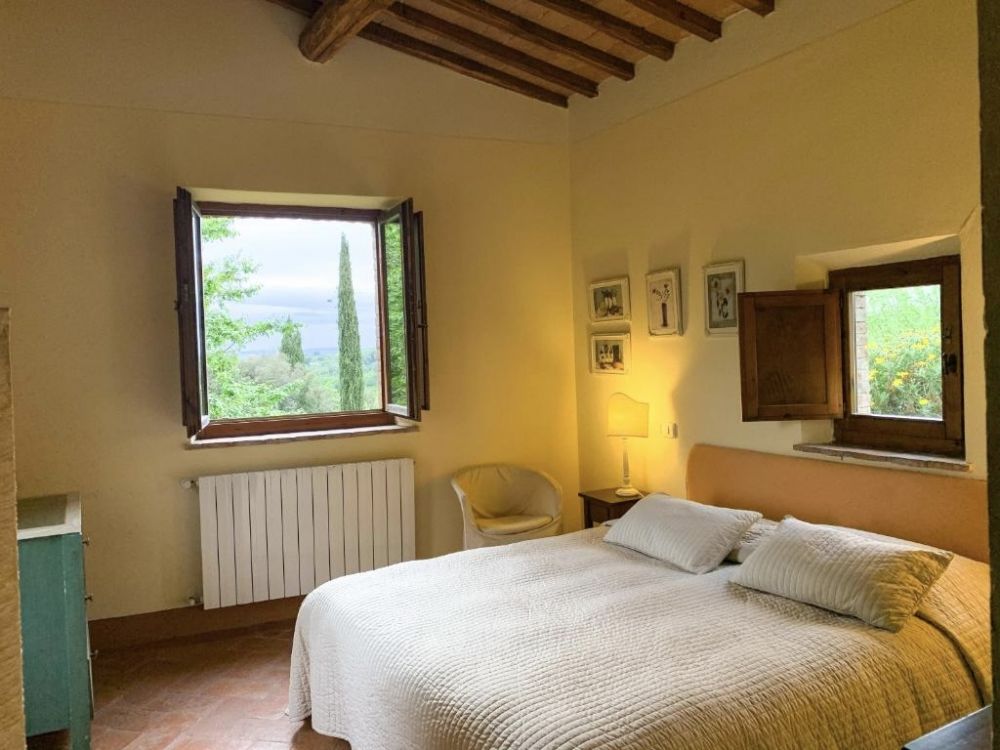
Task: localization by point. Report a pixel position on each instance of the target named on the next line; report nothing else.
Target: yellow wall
(860, 138)
(86, 252)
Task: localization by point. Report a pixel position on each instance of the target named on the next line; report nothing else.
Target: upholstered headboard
(943, 511)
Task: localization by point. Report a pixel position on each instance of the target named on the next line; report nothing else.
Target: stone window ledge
(909, 460)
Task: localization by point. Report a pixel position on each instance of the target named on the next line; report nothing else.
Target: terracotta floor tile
(103, 738)
(219, 693)
(192, 743)
(152, 741)
(124, 716)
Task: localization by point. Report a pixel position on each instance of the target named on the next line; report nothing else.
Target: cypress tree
(352, 387)
(291, 343)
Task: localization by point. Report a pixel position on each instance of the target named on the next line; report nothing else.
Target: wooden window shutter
(404, 336)
(418, 292)
(190, 315)
(790, 355)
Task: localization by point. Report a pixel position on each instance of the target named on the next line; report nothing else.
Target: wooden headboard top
(942, 511)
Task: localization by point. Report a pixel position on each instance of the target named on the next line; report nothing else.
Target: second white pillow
(875, 579)
(690, 535)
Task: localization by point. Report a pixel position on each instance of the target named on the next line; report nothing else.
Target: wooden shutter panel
(417, 291)
(190, 315)
(396, 257)
(790, 355)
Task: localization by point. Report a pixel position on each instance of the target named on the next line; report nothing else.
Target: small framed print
(663, 302)
(723, 283)
(611, 354)
(609, 300)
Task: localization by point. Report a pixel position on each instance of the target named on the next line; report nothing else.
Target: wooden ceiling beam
(491, 48)
(334, 23)
(683, 17)
(375, 32)
(613, 26)
(760, 7)
(511, 23)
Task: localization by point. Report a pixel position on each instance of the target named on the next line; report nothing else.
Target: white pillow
(752, 539)
(839, 569)
(690, 535)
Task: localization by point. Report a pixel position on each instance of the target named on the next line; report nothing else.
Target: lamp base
(629, 491)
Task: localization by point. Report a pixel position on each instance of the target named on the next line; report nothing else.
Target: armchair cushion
(511, 524)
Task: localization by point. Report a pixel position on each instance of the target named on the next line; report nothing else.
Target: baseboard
(135, 630)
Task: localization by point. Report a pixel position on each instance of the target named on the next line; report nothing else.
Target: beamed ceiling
(545, 49)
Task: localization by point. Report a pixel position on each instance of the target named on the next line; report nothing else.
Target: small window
(299, 319)
(903, 356)
(879, 352)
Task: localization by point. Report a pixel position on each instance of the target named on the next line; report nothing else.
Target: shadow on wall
(438, 516)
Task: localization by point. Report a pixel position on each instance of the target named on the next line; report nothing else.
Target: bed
(573, 643)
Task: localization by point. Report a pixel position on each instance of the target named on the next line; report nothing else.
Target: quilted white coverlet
(570, 643)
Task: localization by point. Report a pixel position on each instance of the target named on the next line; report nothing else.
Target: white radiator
(272, 534)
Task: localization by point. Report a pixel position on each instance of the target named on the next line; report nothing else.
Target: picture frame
(611, 353)
(723, 282)
(608, 301)
(663, 302)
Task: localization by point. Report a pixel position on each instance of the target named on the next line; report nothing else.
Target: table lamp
(627, 418)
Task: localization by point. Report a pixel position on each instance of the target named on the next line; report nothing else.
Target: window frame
(944, 437)
(191, 324)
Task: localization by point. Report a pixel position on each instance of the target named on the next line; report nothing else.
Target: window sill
(294, 437)
(909, 460)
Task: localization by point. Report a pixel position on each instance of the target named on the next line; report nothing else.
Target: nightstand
(603, 505)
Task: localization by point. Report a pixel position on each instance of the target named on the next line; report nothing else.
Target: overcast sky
(298, 269)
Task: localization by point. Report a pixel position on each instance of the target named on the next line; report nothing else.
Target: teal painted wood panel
(54, 631)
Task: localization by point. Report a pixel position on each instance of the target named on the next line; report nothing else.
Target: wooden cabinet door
(790, 355)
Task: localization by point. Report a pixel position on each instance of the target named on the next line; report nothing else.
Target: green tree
(291, 343)
(904, 351)
(232, 395)
(233, 392)
(352, 389)
(396, 323)
(214, 228)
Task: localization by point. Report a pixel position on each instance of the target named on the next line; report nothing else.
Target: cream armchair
(502, 504)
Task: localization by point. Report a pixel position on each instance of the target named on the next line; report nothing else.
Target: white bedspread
(572, 643)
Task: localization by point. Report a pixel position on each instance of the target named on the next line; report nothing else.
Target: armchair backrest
(495, 490)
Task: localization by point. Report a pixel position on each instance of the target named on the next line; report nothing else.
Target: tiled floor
(223, 693)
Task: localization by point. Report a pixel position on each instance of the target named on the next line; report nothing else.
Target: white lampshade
(627, 417)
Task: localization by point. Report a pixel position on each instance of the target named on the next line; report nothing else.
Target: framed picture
(663, 302)
(723, 281)
(609, 300)
(610, 354)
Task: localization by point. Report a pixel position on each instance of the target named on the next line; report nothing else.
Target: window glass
(291, 316)
(396, 313)
(896, 337)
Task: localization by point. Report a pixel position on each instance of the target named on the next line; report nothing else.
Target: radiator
(273, 534)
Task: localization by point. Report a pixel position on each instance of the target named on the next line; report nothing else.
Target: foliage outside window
(256, 361)
(297, 319)
(901, 347)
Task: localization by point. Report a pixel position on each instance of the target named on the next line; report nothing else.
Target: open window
(879, 352)
(299, 318)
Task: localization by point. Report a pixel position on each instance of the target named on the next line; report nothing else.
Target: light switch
(669, 430)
